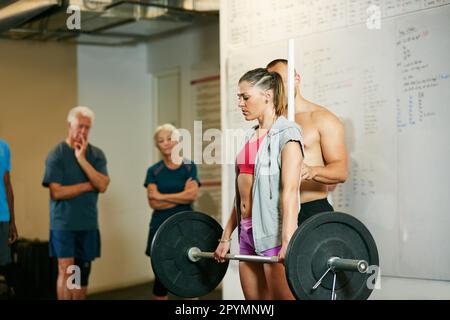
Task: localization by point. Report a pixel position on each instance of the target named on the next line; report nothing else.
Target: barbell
(328, 256)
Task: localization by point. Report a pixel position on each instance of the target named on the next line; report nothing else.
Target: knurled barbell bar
(334, 263)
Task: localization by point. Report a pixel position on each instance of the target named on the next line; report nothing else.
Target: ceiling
(102, 22)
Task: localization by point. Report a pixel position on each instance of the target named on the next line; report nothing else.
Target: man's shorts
(246, 243)
(5, 251)
(83, 245)
(311, 208)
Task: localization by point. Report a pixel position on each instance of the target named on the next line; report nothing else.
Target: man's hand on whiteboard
(308, 173)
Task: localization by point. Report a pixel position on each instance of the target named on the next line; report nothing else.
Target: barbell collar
(338, 264)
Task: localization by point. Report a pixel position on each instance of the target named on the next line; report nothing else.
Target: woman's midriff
(245, 184)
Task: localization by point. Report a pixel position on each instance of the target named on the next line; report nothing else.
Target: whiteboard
(390, 86)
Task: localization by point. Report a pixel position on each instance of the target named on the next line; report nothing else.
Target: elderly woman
(172, 186)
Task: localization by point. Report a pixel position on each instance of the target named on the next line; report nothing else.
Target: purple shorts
(246, 243)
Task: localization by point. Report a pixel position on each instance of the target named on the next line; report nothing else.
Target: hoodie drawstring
(270, 175)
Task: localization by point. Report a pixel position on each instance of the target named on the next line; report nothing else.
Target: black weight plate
(326, 235)
(169, 254)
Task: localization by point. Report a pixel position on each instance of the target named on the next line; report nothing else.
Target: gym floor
(143, 292)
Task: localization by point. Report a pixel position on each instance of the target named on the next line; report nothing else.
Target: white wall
(116, 84)
(411, 289)
(193, 49)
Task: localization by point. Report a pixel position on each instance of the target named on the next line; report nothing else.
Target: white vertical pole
(291, 81)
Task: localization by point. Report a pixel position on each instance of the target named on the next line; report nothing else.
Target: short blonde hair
(167, 127)
(80, 110)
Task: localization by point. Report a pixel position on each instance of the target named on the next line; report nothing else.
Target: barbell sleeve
(338, 264)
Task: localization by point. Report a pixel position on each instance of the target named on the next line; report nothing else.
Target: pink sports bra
(246, 158)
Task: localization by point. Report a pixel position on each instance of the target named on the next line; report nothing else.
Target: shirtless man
(326, 160)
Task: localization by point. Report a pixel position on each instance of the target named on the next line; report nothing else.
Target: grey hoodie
(266, 214)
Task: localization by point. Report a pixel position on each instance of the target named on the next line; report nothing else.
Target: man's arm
(97, 179)
(59, 192)
(157, 204)
(334, 152)
(187, 196)
(53, 179)
(10, 198)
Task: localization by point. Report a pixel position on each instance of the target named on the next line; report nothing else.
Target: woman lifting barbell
(267, 183)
